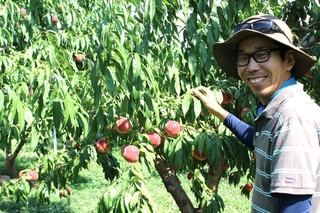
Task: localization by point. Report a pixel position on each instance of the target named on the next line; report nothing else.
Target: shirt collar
(290, 82)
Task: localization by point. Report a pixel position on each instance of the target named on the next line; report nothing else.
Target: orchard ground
(89, 186)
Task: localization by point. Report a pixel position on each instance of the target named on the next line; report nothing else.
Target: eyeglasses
(259, 56)
(260, 25)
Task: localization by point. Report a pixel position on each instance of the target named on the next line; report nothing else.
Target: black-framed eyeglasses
(259, 56)
(260, 25)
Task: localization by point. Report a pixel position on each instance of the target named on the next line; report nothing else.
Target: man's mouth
(256, 80)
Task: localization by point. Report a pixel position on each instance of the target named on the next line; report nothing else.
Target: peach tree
(71, 69)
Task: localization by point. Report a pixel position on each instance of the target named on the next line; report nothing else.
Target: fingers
(207, 97)
(196, 92)
(200, 91)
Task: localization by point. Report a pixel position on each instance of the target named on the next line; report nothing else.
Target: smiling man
(286, 133)
(268, 71)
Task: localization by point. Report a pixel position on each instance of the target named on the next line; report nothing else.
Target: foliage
(142, 59)
(90, 183)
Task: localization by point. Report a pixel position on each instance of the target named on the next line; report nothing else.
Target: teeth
(256, 80)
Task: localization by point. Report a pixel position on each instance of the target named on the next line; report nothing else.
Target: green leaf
(84, 123)
(15, 197)
(186, 102)
(28, 117)
(34, 137)
(197, 107)
(150, 8)
(192, 63)
(26, 187)
(135, 90)
(20, 112)
(137, 65)
(1, 100)
(97, 96)
(127, 198)
(148, 101)
(71, 109)
(57, 114)
(199, 142)
(134, 200)
(171, 149)
(122, 204)
(148, 151)
(215, 151)
(45, 92)
(136, 170)
(51, 52)
(178, 154)
(144, 192)
(110, 82)
(228, 147)
(177, 86)
(147, 164)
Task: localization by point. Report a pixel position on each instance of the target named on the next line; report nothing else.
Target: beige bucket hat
(224, 52)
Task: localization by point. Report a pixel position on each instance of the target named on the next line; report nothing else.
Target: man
(286, 133)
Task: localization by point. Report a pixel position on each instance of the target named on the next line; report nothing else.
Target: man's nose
(252, 65)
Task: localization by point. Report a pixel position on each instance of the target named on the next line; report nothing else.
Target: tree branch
(173, 185)
(214, 176)
(10, 158)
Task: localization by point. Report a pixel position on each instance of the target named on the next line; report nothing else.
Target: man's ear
(290, 59)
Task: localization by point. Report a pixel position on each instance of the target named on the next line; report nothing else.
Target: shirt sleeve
(294, 203)
(240, 129)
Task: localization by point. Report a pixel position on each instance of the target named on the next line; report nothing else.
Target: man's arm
(240, 129)
(243, 131)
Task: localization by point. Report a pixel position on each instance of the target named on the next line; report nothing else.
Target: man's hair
(283, 50)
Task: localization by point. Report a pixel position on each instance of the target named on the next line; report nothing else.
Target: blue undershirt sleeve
(294, 203)
(240, 129)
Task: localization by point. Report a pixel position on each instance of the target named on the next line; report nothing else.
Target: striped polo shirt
(287, 150)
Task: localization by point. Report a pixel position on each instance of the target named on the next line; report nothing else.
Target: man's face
(264, 79)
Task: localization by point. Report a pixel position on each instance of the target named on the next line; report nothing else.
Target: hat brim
(224, 52)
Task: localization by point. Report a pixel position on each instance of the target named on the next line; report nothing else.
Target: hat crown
(281, 24)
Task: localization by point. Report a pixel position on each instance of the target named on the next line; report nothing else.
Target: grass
(90, 185)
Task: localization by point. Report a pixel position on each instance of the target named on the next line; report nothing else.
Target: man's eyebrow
(240, 51)
(256, 49)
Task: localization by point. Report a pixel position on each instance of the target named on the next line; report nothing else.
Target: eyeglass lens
(259, 56)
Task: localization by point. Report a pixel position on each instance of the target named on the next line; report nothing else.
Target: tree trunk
(10, 158)
(214, 176)
(173, 185)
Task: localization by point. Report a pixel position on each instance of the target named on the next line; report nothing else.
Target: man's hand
(207, 97)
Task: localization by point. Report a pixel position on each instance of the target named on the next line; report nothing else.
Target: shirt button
(257, 134)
